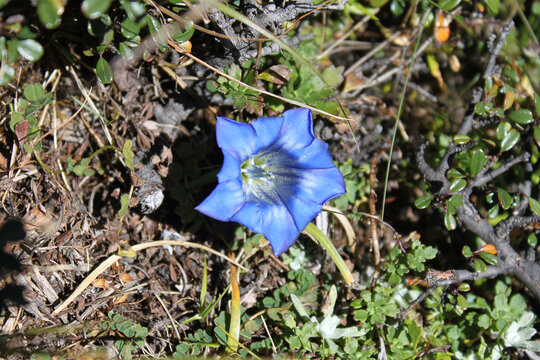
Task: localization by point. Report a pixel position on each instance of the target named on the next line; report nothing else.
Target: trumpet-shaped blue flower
(275, 177)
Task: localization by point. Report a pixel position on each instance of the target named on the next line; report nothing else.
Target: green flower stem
(315, 233)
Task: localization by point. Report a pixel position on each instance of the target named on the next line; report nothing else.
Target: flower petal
(230, 169)
(302, 210)
(313, 156)
(297, 130)
(239, 139)
(226, 199)
(267, 128)
(273, 220)
(317, 185)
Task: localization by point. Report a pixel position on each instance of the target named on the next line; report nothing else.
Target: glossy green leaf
(462, 302)
(450, 222)
(493, 212)
(458, 185)
(466, 251)
(180, 36)
(502, 130)
(30, 49)
(479, 265)
(504, 198)
(534, 205)
(532, 240)
(489, 258)
(461, 139)
(455, 201)
(510, 140)
(49, 12)
(423, 202)
(34, 92)
(522, 116)
(478, 160)
(93, 9)
(454, 173)
(104, 71)
(464, 287)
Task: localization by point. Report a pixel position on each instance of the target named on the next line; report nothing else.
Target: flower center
(256, 169)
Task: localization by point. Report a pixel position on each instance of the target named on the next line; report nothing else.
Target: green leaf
(455, 201)
(493, 6)
(462, 302)
(478, 160)
(377, 3)
(450, 222)
(535, 206)
(49, 12)
(532, 240)
(461, 139)
(104, 71)
(537, 134)
(454, 174)
(522, 116)
(504, 198)
(466, 251)
(479, 265)
(448, 5)
(125, 200)
(489, 258)
(30, 49)
(34, 92)
(180, 36)
(128, 154)
(423, 202)
(93, 9)
(493, 212)
(458, 185)
(537, 101)
(510, 140)
(502, 130)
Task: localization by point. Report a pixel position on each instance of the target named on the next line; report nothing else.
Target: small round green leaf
(535, 206)
(461, 139)
(455, 201)
(522, 116)
(493, 212)
(478, 160)
(502, 130)
(458, 185)
(504, 198)
(462, 302)
(466, 251)
(489, 258)
(493, 6)
(423, 202)
(479, 265)
(30, 49)
(454, 174)
(532, 240)
(93, 9)
(34, 92)
(49, 12)
(510, 140)
(104, 71)
(464, 287)
(450, 222)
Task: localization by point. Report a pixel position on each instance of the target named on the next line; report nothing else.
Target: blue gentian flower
(275, 177)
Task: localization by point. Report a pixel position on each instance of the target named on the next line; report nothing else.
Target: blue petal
(316, 185)
(313, 156)
(297, 130)
(230, 169)
(302, 210)
(226, 199)
(267, 128)
(239, 139)
(273, 220)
